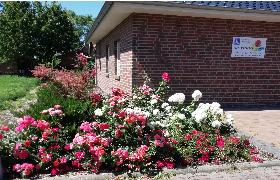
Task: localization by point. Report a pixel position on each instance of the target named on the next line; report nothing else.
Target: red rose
(1, 136)
(23, 154)
(258, 43)
(27, 143)
(55, 163)
(104, 126)
(188, 137)
(122, 114)
(118, 133)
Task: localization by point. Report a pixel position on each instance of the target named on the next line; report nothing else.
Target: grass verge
(14, 87)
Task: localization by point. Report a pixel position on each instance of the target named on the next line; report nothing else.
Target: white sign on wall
(248, 47)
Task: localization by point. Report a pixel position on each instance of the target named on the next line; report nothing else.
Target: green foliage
(75, 110)
(32, 32)
(14, 87)
(82, 23)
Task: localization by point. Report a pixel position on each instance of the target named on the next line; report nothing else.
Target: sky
(83, 7)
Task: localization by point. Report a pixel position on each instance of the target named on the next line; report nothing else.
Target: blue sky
(83, 7)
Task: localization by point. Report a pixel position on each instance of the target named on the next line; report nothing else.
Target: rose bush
(75, 83)
(138, 132)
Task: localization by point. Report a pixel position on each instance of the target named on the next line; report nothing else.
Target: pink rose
(79, 155)
(57, 106)
(54, 171)
(165, 77)
(169, 165)
(86, 127)
(160, 164)
(220, 142)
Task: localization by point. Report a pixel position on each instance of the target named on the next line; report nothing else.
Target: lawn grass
(14, 87)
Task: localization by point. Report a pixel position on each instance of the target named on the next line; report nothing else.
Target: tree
(82, 23)
(32, 32)
(16, 31)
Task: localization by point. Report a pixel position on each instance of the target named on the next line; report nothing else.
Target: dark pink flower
(118, 133)
(165, 76)
(54, 171)
(56, 163)
(43, 125)
(220, 142)
(169, 164)
(160, 164)
(76, 164)
(79, 155)
(23, 154)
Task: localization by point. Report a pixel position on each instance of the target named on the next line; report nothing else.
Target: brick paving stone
(263, 124)
(272, 173)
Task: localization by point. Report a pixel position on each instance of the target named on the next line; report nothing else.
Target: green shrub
(75, 110)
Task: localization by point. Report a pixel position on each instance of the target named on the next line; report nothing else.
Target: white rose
(181, 116)
(168, 108)
(174, 117)
(98, 112)
(199, 115)
(153, 101)
(178, 97)
(164, 105)
(229, 119)
(196, 95)
(155, 111)
(216, 124)
(166, 134)
(146, 113)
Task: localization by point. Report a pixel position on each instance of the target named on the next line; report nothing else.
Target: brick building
(193, 42)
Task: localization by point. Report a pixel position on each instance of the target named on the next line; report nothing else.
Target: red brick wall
(196, 52)
(107, 81)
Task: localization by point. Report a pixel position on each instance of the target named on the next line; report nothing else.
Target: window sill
(117, 77)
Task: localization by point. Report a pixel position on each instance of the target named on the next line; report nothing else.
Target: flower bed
(138, 132)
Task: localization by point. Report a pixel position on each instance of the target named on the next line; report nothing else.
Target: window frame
(117, 55)
(107, 56)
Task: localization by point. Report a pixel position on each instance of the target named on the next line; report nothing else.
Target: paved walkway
(272, 173)
(263, 124)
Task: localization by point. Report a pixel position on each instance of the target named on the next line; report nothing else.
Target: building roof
(273, 6)
(113, 13)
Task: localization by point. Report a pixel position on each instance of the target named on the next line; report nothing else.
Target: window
(107, 58)
(117, 54)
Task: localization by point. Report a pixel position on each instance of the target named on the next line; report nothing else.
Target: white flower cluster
(178, 116)
(137, 111)
(98, 112)
(196, 95)
(178, 98)
(162, 123)
(213, 111)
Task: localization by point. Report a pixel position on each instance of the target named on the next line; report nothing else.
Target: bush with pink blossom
(138, 132)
